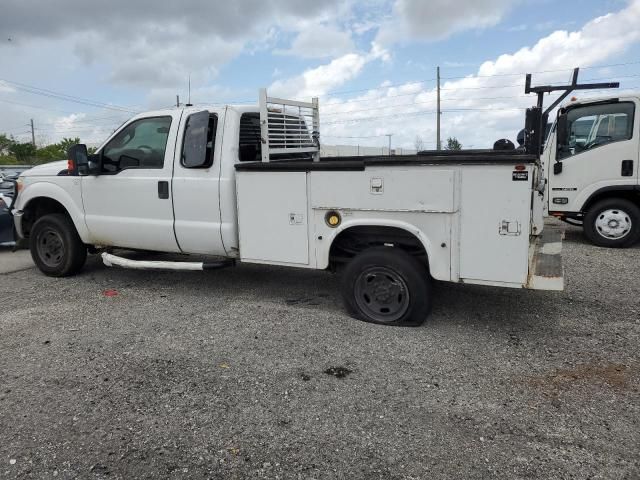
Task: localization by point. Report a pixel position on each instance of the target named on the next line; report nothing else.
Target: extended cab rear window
(250, 145)
(198, 143)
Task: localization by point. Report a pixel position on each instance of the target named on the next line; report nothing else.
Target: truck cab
(591, 159)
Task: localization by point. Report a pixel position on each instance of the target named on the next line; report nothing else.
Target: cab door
(196, 184)
(129, 204)
(599, 149)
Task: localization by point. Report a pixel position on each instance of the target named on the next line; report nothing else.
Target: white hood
(46, 169)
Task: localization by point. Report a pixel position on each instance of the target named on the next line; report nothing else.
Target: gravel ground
(223, 374)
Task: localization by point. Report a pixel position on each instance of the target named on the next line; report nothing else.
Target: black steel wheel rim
(50, 247)
(382, 294)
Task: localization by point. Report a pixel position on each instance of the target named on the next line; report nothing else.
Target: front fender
(69, 198)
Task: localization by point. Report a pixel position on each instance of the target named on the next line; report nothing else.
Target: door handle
(163, 189)
(627, 168)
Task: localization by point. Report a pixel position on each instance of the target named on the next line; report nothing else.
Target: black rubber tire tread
(607, 204)
(76, 251)
(414, 273)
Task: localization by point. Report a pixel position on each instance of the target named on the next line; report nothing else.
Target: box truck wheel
(387, 285)
(613, 222)
(55, 246)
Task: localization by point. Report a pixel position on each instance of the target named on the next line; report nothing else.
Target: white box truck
(592, 160)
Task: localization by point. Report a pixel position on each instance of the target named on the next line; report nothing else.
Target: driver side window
(141, 144)
(593, 126)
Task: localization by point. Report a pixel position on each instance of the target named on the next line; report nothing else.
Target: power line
(340, 92)
(451, 110)
(347, 112)
(423, 112)
(62, 96)
(35, 106)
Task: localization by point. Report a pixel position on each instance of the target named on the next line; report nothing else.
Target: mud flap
(545, 261)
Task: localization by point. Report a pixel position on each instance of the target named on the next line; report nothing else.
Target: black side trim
(360, 163)
(618, 188)
(299, 166)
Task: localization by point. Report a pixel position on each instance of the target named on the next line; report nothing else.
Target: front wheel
(387, 285)
(55, 246)
(614, 222)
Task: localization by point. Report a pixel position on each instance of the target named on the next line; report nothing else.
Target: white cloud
(151, 43)
(317, 81)
(481, 108)
(322, 79)
(434, 19)
(4, 88)
(320, 41)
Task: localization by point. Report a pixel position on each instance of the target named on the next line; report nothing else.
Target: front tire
(386, 285)
(614, 223)
(55, 246)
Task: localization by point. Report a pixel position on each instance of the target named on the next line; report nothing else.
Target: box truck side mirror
(561, 130)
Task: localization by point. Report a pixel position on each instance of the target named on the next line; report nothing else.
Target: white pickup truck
(246, 183)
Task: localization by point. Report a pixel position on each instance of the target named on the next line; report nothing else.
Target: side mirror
(561, 129)
(78, 159)
(557, 168)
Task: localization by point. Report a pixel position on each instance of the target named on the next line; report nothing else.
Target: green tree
(13, 152)
(5, 143)
(24, 152)
(65, 143)
(56, 151)
(453, 144)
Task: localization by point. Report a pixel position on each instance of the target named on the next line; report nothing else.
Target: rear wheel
(614, 222)
(55, 246)
(387, 285)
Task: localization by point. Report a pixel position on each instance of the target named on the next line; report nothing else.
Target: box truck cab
(591, 158)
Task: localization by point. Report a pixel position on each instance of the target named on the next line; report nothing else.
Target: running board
(111, 260)
(545, 261)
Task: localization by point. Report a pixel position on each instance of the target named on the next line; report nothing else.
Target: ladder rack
(288, 128)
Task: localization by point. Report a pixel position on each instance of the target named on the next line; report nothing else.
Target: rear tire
(55, 246)
(388, 286)
(613, 223)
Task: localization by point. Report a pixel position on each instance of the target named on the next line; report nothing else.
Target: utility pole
(177, 100)
(33, 134)
(438, 146)
(389, 135)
